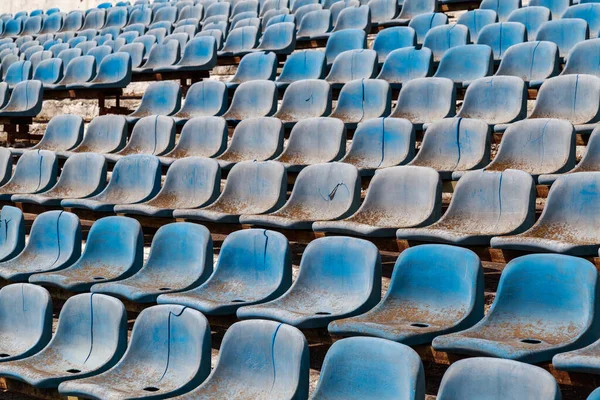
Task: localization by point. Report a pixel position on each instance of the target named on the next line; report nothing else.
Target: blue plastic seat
(116, 17)
(425, 100)
(556, 7)
(495, 100)
(361, 100)
(135, 178)
(77, 72)
(187, 356)
(140, 16)
(301, 65)
(589, 12)
(58, 48)
(583, 58)
(94, 20)
(534, 62)
(354, 18)
(54, 243)
(223, 8)
(199, 54)
(382, 10)
(253, 99)
(397, 197)
(31, 50)
(363, 367)
(501, 36)
(278, 38)
(13, 27)
(205, 98)
(391, 39)
(497, 379)
(443, 37)
(167, 14)
(254, 265)
(240, 41)
(12, 238)
(148, 41)
(114, 71)
(297, 4)
(161, 56)
(35, 172)
(351, 65)
(190, 11)
(556, 291)
(503, 8)
(314, 24)
(464, 64)
(339, 277)
(105, 134)
(295, 107)
(200, 137)
(136, 52)
(83, 175)
(151, 135)
(100, 52)
(90, 338)
(129, 36)
(532, 18)
(63, 133)
(32, 26)
(52, 23)
(255, 66)
(48, 71)
(18, 72)
(160, 98)
(68, 55)
(566, 33)
(422, 23)
(403, 65)
(348, 39)
(252, 187)
(476, 20)
(122, 235)
(411, 9)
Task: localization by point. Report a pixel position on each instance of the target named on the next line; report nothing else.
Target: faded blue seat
(566, 33)
(484, 205)
(424, 100)
(279, 38)
(191, 11)
(240, 41)
(148, 41)
(361, 100)
(313, 141)
(243, 6)
(94, 20)
(129, 36)
(48, 71)
(402, 65)
(351, 65)
(73, 21)
(83, 175)
(253, 99)
(497, 379)
(31, 50)
(18, 72)
(243, 195)
(58, 48)
(12, 237)
(181, 258)
(534, 62)
(54, 243)
(77, 72)
(160, 98)
(182, 38)
(532, 18)
(589, 12)
(422, 23)
(140, 16)
(397, 197)
(583, 58)
(567, 224)
(501, 36)
(53, 23)
(254, 66)
(90, 338)
(258, 139)
(354, 18)
(443, 37)
(339, 277)
(205, 98)
(168, 14)
(136, 53)
(295, 107)
(100, 52)
(154, 330)
(301, 65)
(161, 56)
(135, 178)
(26, 312)
(297, 4)
(105, 134)
(502, 7)
(556, 291)
(246, 19)
(391, 39)
(35, 172)
(382, 10)
(199, 54)
(254, 266)
(200, 137)
(556, 7)
(151, 135)
(411, 9)
(464, 64)
(114, 72)
(363, 367)
(348, 39)
(191, 182)
(116, 17)
(435, 289)
(13, 27)
(63, 133)
(322, 192)
(495, 100)
(122, 235)
(314, 24)
(476, 20)
(250, 348)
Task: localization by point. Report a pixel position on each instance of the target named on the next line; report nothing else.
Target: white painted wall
(13, 6)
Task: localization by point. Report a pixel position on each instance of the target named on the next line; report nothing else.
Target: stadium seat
(239, 42)
(187, 12)
(116, 17)
(199, 54)
(105, 134)
(532, 18)
(339, 277)
(534, 62)
(54, 243)
(13, 28)
(361, 100)
(566, 33)
(140, 16)
(94, 20)
(484, 205)
(129, 36)
(62, 133)
(151, 135)
(90, 338)
(35, 172)
(435, 289)
(12, 240)
(351, 65)
(258, 139)
(200, 137)
(252, 187)
(282, 16)
(555, 290)
(136, 52)
(190, 183)
(503, 8)
(78, 71)
(476, 20)
(556, 7)
(205, 98)
(262, 274)
(18, 72)
(168, 14)
(397, 197)
(304, 99)
(589, 12)
(148, 41)
(31, 50)
(278, 38)
(114, 72)
(253, 99)
(422, 23)
(348, 39)
(443, 37)
(501, 36)
(382, 10)
(314, 25)
(58, 48)
(253, 67)
(583, 58)
(404, 64)
(100, 52)
(48, 71)
(52, 24)
(182, 38)
(305, 64)
(464, 64)
(187, 357)
(72, 22)
(160, 98)
(354, 18)
(411, 9)
(391, 39)
(161, 56)
(497, 379)
(425, 100)
(122, 235)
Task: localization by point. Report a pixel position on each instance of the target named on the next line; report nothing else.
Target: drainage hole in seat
(531, 341)
(99, 278)
(151, 389)
(3, 355)
(164, 289)
(420, 325)
(73, 371)
(322, 313)
(238, 301)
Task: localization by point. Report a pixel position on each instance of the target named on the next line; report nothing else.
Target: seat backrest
(63, 132)
(48, 71)
(589, 12)
(383, 10)
(198, 179)
(363, 99)
(393, 38)
(556, 7)
(100, 52)
(443, 37)
(315, 140)
(202, 136)
(154, 134)
(12, 237)
(161, 98)
(502, 35)
(466, 63)
(207, 96)
(348, 39)
(69, 55)
(241, 39)
(135, 177)
(354, 18)
(136, 53)
(94, 20)
(115, 69)
(531, 17)
(583, 58)
(168, 14)
(163, 55)
(79, 70)
(314, 23)
(280, 38)
(52, 23)
(256, 139)
(531, 61)
(253, 99)
(295, 99)
(422, 23)
(566, 33)
(85, 172)
(476, 20)
(502, 7)
(404, 64)
(18, 72)
(116, 17)
(426, 100)
(306, 64)
(351, 65)
(57, 235)
(105, 134)
(26, 99)
(256, 66)
(32, 25)
(200, 52)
